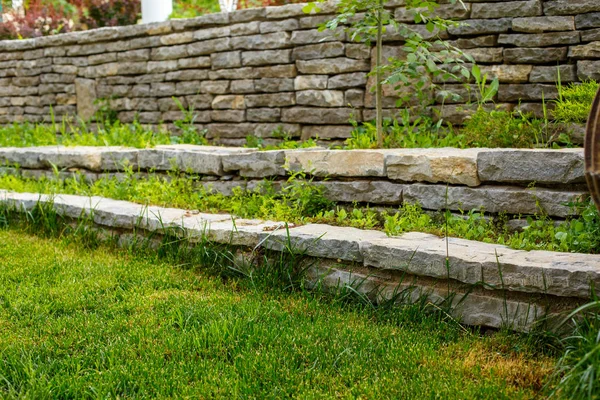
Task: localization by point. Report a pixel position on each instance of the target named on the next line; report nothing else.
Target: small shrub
(499, 128)
(405, 132)
(40, 19)
(575, 101)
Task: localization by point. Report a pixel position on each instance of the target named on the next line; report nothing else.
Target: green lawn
(103, 323)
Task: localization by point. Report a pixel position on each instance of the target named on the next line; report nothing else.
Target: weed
(574, 101)
(578, 370)
(300, 200)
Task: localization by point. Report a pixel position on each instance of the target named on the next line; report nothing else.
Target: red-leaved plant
(38, 20)
(101, 13)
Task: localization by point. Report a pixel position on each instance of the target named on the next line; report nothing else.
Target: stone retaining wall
(508, 181)
(261, 71)
(491, 285)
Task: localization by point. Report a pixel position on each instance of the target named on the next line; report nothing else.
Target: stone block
(508, 73)
(494, 199)
(486, 55)
(527, 166)
(363, 191)
(543, 24)
(326, 131)
(200, 101)
(276, 71)
(474, 27)
(214, 87)
(228, 116)
(588, 70)
(320, 98)
(249, 28)
(86, 97)
(536, 91)
(233, 73)
(316, 36)
(586, 21)
(570, 7)
(228, 102)
(193, 63)
(278, 26)
(187, 75)
(542, 74)
(248, 14)
(343, 163)
(354, 98)
(161, 66)
(319, 240)
(455, 11)
(308, 115)
(332, 66)
(177, 38)
(345, 81)
(591, 35)
(256, 165)
(274, 85)
(475, 42)
(266, 57)
(358, 50)
(321, 50)
(169, 53)
(473, 262)
(242, 86)
(212, 33)
(270, 100)
(539, 39)
(230, 59)
(448, 165)
(268, 41)
(506, 9)
(535, 55)
(306, 82)
(263, 114)
(208, 47)
(590, 50)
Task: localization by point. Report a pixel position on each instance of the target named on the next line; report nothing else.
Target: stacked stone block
(271, 70)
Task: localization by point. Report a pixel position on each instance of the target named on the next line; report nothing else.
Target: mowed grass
(104, 323)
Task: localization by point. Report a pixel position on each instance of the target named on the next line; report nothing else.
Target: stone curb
(467, 167)
(493, 266)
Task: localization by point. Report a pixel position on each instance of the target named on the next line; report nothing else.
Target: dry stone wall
(487, 284)
(268, 70)
(514, 182)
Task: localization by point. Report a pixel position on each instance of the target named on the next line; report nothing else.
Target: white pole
(156, 10)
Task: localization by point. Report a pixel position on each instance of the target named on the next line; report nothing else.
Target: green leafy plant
(486, 92)
(575, 101)
(189, 132)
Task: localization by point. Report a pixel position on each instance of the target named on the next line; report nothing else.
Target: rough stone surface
(319, 240)
(526, 166)
(363, 191)
(505, 272)
(494, 199)
(560, 274)
(350, 163)
(543, 24)
(320, 98)
(507, 9)
(86, 97)
(456, 166)
(256, 165)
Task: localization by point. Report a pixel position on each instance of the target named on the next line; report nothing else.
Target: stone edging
(513, 181)
(561, 278)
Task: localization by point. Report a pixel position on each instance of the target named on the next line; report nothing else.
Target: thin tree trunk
(378, 77)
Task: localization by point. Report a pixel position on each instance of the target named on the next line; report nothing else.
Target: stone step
(470, 262)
